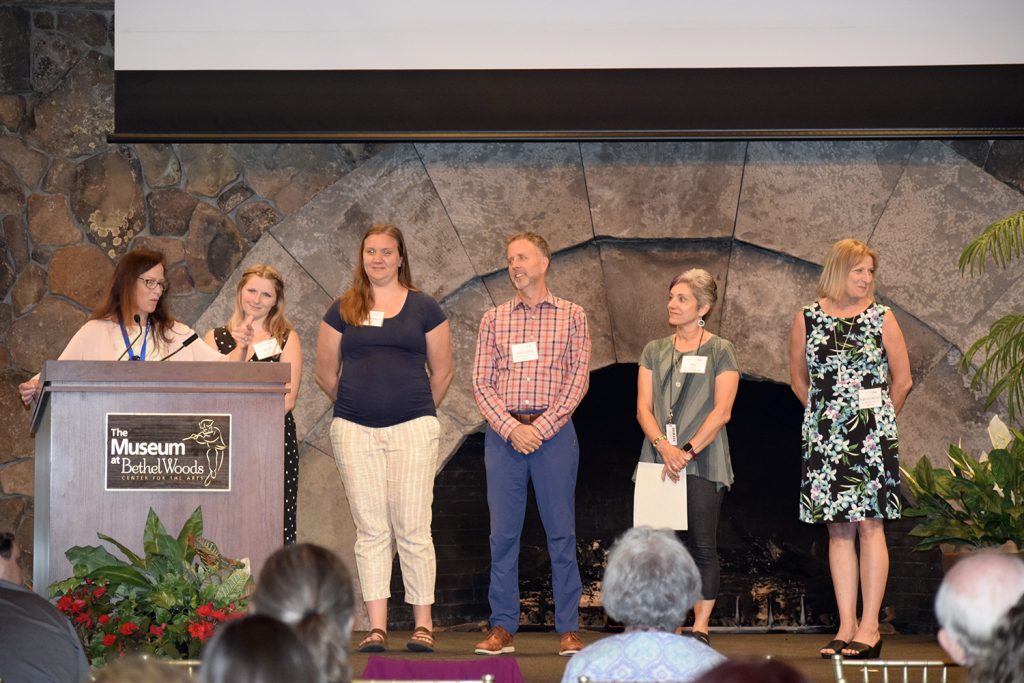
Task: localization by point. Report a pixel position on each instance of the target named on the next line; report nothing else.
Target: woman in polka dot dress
(259, 324)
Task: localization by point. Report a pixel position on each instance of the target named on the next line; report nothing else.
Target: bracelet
(658, 440)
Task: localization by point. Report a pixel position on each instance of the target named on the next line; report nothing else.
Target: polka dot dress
(226, 344)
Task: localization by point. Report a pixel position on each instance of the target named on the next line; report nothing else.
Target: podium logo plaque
(168, 452)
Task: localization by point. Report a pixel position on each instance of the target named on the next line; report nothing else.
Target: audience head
(141, 670)
(840, 260)
(309, 588)
(973, 597)
(1004, 662)
(10, 559)
(651, 581)
(257, 649)
(752, 671)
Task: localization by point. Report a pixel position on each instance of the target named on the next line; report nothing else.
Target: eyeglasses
(153, 284)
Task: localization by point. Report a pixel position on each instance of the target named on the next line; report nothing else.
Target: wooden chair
(891, 670)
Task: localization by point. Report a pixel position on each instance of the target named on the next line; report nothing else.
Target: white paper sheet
(656, 503)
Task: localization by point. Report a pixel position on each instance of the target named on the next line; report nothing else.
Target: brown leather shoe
(498, 642)
(569, 644)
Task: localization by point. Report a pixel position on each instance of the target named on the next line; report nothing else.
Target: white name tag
(266, 348)
(524, 352)
(671, 435)
(870, 398)
(376, 319)
(694, 364)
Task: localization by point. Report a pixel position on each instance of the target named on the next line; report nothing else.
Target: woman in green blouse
(685, 390)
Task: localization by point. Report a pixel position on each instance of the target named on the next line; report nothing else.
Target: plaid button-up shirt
(552, 385)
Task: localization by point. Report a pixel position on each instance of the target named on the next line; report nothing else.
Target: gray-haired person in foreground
(974, 596)
(650, 585)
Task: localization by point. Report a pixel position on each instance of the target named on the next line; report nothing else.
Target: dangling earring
(700, 323)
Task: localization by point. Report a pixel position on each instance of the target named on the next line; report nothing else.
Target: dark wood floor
(535, 652)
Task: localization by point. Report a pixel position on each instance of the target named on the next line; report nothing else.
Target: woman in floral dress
(848, 365)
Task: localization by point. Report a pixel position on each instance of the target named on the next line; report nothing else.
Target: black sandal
(702, 636)
(863, 650)
(836, 646)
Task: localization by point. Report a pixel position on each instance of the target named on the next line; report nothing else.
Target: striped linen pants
(388, 474)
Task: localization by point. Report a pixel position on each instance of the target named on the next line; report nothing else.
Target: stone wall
(71, 204)
(621, 217)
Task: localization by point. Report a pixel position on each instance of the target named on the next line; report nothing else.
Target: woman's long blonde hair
(357, 301)
(276, 323)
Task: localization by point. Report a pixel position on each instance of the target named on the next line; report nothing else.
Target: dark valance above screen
(570, 104)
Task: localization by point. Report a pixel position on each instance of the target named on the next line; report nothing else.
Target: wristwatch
(688, 448)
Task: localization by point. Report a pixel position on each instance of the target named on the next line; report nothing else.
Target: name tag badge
(376, 319)
(694, 364)
(266, 348)
(670, 433)
(870, 398)
(524, 352)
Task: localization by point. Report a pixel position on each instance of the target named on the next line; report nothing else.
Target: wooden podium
(73, 462)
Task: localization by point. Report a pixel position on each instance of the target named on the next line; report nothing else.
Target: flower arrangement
(974, 502)
(166, 603)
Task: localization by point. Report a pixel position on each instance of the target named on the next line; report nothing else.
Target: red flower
(104, 619)
(109, 640)
(157, 630)
(218, 615)
(64, 604)
(99, 592)
(128, 628)
(205, 610)
(84, 618)
(79, 605)
(200, 629)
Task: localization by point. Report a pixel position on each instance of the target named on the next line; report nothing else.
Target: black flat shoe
(863, 650)
(836, 646)
(702, 636)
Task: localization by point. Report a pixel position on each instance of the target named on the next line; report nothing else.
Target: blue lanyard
(128, 343)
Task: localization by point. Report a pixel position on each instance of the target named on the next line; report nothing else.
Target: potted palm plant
(979, 502)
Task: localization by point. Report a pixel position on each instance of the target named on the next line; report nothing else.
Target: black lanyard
(675, 405)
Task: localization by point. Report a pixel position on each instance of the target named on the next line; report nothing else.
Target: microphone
(138, 321)
(182, 347)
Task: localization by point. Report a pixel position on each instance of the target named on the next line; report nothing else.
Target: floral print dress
(850, 454)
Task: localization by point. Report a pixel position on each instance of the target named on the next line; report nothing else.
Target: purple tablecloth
(504, 669)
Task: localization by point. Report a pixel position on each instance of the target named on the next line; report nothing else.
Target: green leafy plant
(976, 502)
(1001, 368)
(165, 602)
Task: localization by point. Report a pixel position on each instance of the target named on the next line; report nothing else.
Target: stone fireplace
(774, 568)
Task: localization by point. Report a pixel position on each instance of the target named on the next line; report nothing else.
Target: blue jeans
(552, 469)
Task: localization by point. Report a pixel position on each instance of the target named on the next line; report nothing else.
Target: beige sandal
(421, 640)
(375, 641)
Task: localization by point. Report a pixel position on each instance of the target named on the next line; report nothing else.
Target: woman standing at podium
(133, 322)
(259, 331)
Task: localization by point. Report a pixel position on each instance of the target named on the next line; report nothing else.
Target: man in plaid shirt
(531, 371)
